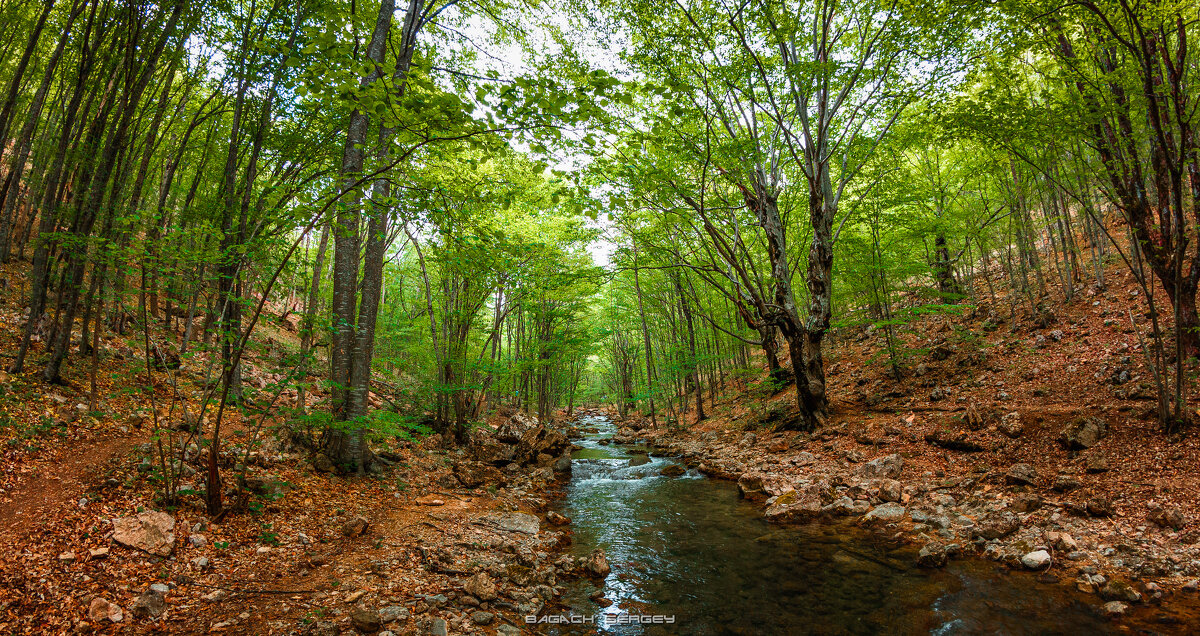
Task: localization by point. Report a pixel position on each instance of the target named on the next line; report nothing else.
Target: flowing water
(688, 550)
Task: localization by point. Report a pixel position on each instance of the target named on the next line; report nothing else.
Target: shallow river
(688, 550)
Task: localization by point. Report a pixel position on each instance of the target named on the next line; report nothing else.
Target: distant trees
(768, 114)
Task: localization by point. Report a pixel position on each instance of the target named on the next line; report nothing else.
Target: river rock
(102, 610)
(638, 460)
(758, 486)
(847, 507)
(481, 587)
(886, 467)
(891, 490)
(152, 532)
(1114, 609)
(794, 506)
(1120, 591)
(1036, 560)
(597, 563)
(996, 525)
(540, 441)
(885, 513)
(557, 518)
(482, 618)
(366, 620)
(932, 555)
(437, 627)
(1083, 432)
(672, 470)
(1061, 541)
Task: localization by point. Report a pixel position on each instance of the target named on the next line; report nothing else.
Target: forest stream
(687, 549)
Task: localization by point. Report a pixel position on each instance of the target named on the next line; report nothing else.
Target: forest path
(43, 487)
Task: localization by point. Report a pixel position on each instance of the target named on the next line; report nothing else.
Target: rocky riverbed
(1020, 517)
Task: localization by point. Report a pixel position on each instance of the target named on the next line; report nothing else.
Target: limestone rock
(355, 527)
(758, 486)
(480, 586)
(102, 610)
(1120, 591)
(1166, 517)
(794, 506)
(1021, 475)
(1065, 483)
(512, 522)
(1036, 560)
(1062, 541)
(886, 467)
(1026, 502)
(932, 555)
(366, 620)
(955, 442)
(149, 605)
(885, 513)
(1083, 432)
(891, 490)
(1011, 426)
(1114, 609)
(473, 474)
(152, 532)
(393, 613)
(996, 525)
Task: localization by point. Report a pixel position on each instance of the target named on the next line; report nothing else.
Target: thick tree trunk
(345, 442)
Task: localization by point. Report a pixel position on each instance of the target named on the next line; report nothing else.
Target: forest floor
(978, 424)
(303, 552)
